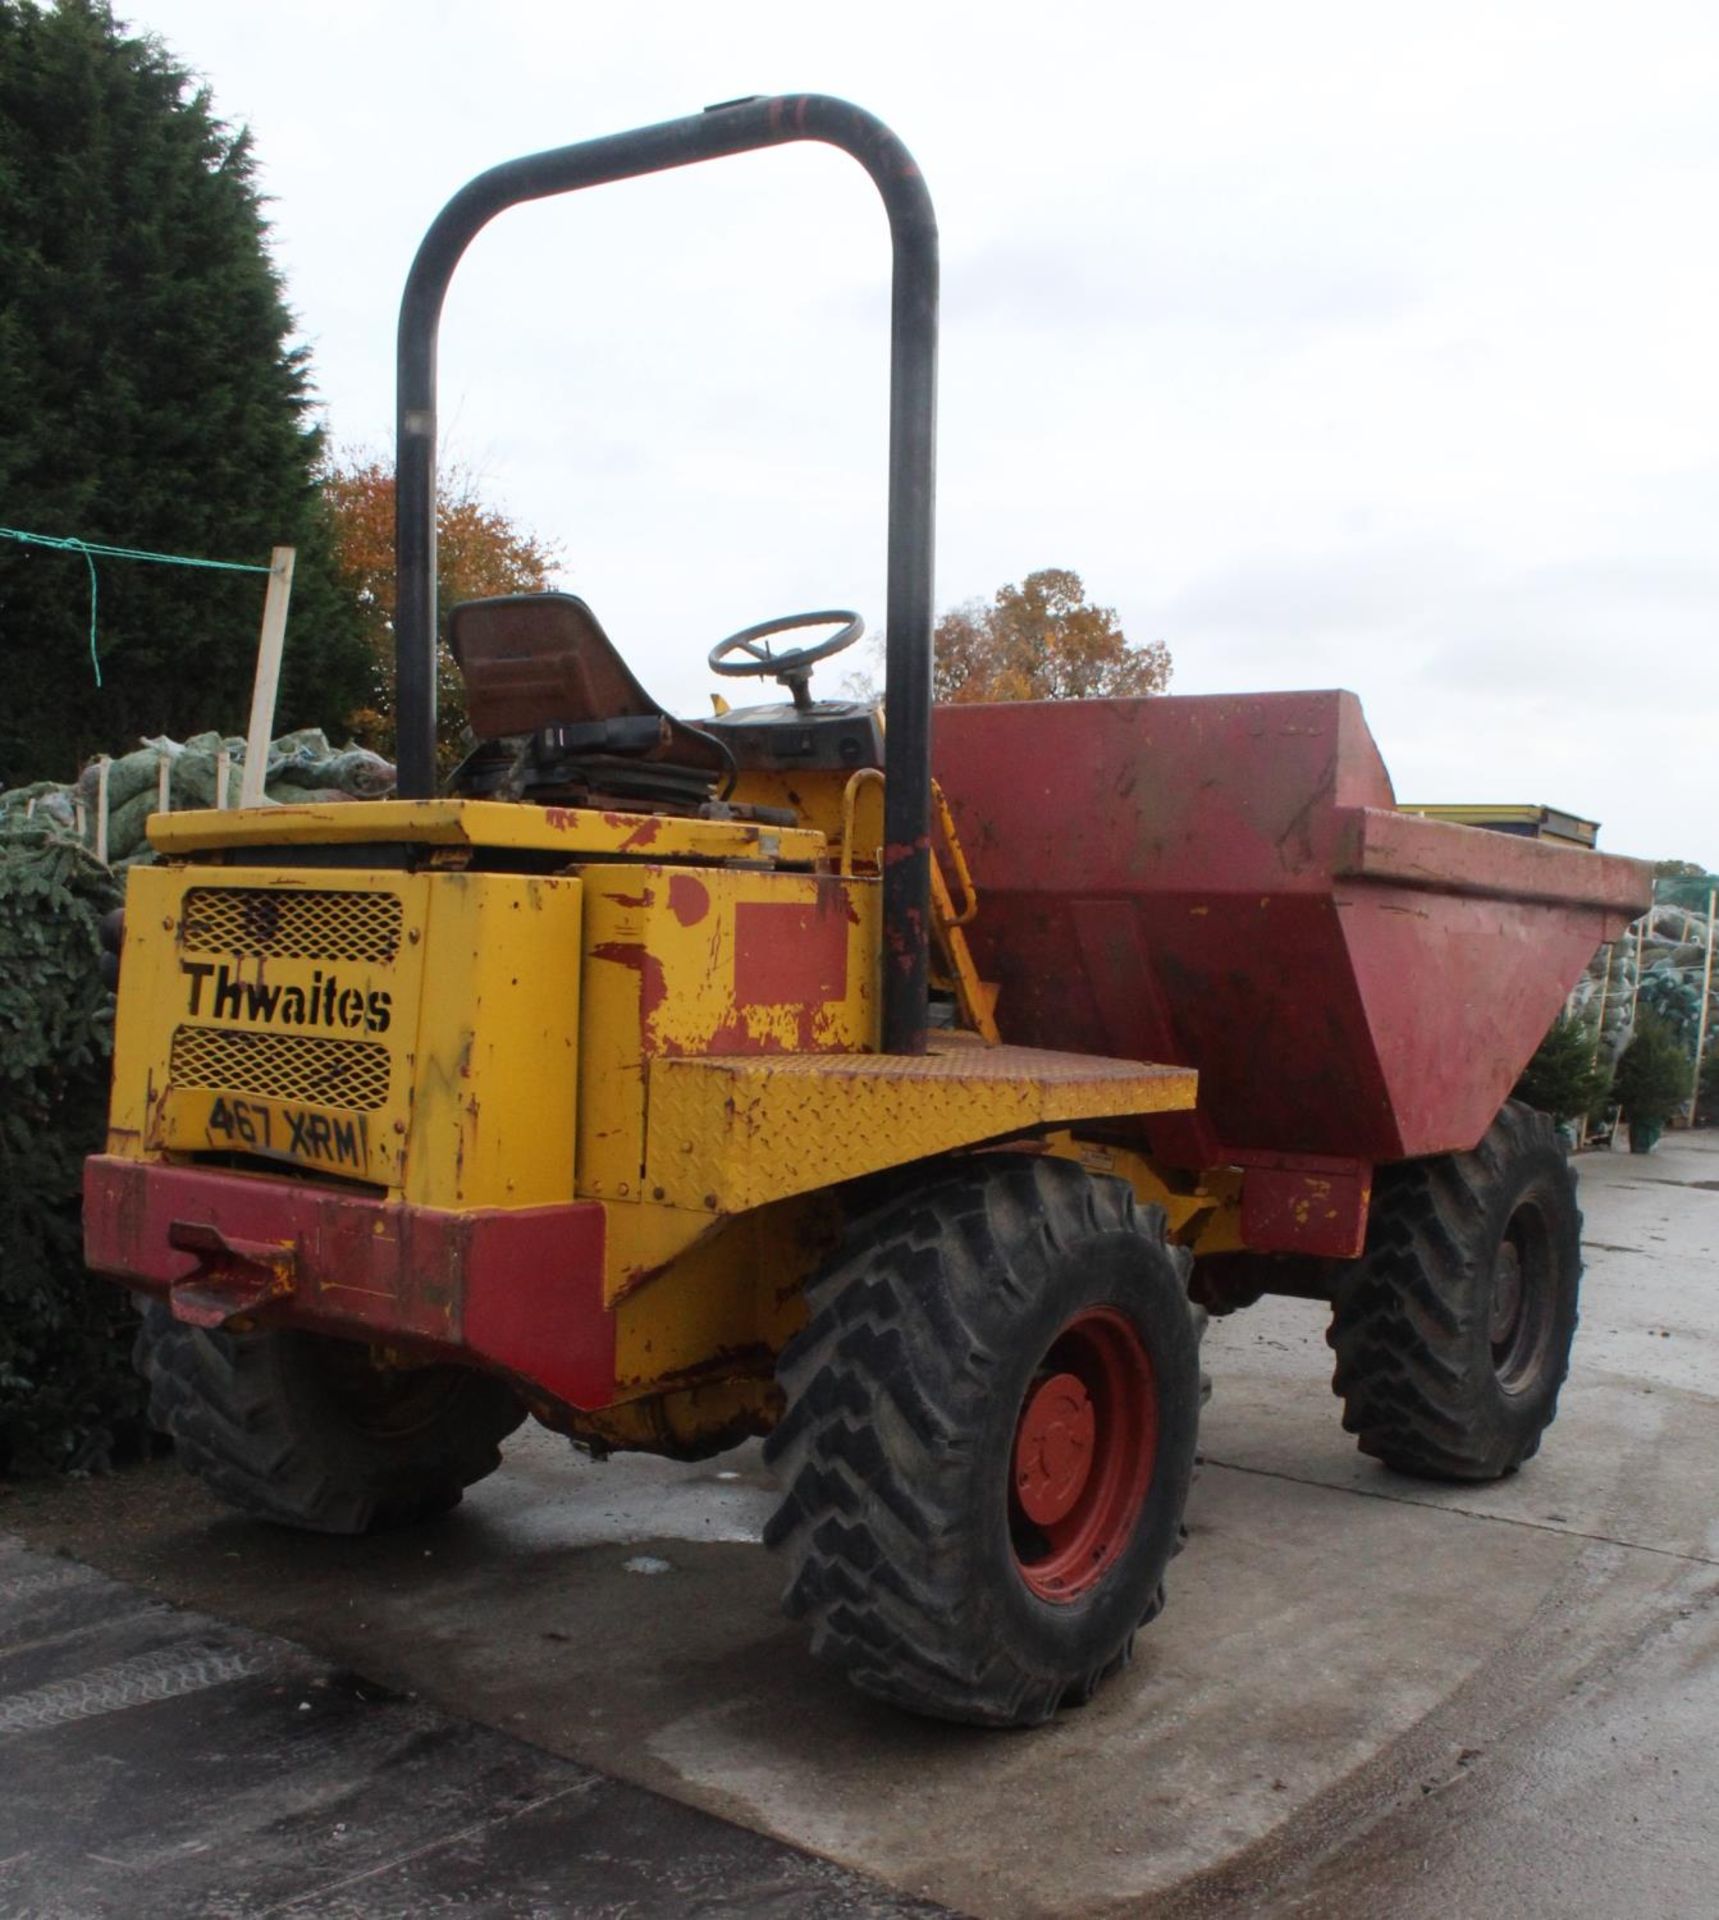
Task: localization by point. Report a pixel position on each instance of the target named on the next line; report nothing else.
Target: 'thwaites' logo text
(324, 1003)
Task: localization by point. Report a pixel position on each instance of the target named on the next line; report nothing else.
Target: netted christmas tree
(68, 1397)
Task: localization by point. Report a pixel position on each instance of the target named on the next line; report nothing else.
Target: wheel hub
(1519, 1324)
(1506, 1295)
(1085, 1441)
(1053, 1449)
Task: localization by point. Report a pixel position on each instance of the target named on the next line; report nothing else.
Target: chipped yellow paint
(953, 970)
(975, 999)
(727, 1302)
(716, 962)
(1221, 1230)
(492, 1121)
(817, 798)
(575, 833)
(639, 1242)
(1198, 1207)
(690, 1422)
(728, 1134)
(147, 1006)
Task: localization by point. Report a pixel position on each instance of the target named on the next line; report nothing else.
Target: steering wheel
(793, 668)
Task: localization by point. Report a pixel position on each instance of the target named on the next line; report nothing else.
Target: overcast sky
(1369, 345)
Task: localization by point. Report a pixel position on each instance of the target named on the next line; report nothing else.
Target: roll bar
(737, 126)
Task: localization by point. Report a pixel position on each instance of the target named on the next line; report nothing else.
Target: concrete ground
(1368, 1695)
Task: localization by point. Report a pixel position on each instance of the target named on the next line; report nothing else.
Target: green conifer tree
(150, 397)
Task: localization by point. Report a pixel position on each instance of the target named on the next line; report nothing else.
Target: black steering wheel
(793, 668)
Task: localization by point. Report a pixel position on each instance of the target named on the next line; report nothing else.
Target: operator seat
(535, 661)
(540, 672)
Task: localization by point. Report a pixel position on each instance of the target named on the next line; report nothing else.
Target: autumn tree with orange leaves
(479, 552)
(1042, 640)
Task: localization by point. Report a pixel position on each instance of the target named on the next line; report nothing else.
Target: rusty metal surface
(1291, 1203)
(584, 1305)
(1221, 882)
(232, 1275)
(519, 1289)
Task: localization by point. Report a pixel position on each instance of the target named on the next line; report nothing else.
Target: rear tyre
(1453, 1329)
(990, 1432)
(306, 1431)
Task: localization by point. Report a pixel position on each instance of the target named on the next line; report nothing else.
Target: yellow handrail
(850, 796)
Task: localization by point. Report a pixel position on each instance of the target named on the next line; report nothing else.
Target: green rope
(90, 549)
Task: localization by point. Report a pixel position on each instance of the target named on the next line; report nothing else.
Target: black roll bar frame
(739, 126)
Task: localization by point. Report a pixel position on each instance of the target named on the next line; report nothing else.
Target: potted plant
(1652, 1082)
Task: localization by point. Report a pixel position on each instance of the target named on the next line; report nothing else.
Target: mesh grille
(352, 1074)
(291, 925)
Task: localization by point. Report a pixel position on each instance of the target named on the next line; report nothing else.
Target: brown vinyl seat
(536, 661)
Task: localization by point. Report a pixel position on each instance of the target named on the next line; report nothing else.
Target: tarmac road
(1367, 1696)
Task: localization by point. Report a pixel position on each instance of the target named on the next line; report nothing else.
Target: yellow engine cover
(413, 1031)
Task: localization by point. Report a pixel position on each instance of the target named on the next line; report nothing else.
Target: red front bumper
(520, 1290)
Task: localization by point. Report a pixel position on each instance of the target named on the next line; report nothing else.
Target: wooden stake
(267, 683)
(102, 766)
(164, 784)
(223, 769)
(1599, 1035)
(1605, 989)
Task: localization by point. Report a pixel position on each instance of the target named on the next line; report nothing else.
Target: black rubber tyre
(1453, 1329)
(940, 1324)
(305, 1431)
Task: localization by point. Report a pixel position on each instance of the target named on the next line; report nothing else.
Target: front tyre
(306, 1431)
(1452, 1331)
(990, 1433)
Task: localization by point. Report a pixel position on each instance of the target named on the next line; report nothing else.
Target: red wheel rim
(1086, 1437)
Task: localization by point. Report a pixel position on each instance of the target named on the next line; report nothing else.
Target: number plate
(271, 1129)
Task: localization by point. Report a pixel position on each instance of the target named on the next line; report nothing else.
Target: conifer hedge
(151, 396)
(68, 1397)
